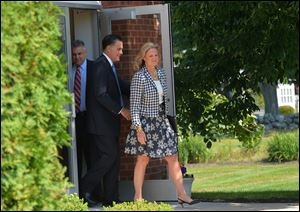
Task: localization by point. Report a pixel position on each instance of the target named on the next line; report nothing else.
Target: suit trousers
(105, 163)
(81, 142)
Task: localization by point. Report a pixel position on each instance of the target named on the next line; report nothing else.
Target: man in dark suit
(105, 106)
(80, 71)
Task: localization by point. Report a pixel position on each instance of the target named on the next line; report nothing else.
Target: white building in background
(286, 96)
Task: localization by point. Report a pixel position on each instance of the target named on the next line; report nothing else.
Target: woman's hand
(141, 136)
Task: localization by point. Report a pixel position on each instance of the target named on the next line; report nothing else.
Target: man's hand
(126, 114)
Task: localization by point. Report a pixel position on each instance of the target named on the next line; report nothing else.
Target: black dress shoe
(88, 198)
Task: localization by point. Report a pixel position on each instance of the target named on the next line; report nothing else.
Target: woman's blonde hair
(139, 59)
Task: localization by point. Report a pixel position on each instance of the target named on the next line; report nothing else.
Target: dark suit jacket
(89, 67)
(103, 100)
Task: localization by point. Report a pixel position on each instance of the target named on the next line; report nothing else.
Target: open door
(79, 21)
(69, 154)
(110, 18)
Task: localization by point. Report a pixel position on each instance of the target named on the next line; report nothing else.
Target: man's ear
(107, 49)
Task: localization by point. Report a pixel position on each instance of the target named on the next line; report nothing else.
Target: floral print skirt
(161, 140)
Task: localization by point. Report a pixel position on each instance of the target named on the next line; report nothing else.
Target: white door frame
(72, 150)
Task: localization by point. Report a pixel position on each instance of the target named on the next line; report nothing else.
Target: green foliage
(33, 97)
(249, 132)
(193, 150)
(286, 110)
(140, 205)
(227, 48)
(259, 100)
(284, 147)
(230, 149)
(183, 152)
(73, 203)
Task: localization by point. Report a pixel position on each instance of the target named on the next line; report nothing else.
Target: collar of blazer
(160, 76)
(148, 76)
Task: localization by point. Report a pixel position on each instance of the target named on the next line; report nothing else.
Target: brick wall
(134, 34)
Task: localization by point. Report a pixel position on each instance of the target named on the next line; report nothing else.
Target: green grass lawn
(251, 182)
(232, 173)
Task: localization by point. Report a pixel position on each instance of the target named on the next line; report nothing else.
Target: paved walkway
(230, 206)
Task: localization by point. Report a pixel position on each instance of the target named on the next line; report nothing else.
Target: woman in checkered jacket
(151, 135)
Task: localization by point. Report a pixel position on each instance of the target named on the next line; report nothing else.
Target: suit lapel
(109, 68)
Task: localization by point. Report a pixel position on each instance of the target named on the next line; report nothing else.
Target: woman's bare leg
(139, 174)
(176, 176)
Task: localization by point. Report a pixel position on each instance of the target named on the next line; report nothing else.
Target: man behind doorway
(80, 69)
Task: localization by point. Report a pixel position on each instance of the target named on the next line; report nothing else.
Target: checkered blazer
(144, 99)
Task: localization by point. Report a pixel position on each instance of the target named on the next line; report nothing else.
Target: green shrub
(33, 98)
(249, 133)
(284, 147)
(198, 152)
(141, 205)
(193, 150)
(286, 110)
(73, 203)
(183, 152)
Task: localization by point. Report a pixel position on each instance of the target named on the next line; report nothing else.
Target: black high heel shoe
(181, 202)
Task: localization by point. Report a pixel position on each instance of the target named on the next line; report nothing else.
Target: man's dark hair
(77, 43)
(110, 39)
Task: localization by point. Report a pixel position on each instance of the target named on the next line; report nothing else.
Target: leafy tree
(33, 97)
(222, 51)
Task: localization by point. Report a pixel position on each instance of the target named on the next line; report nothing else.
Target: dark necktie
(116, 77)
(77, 89)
